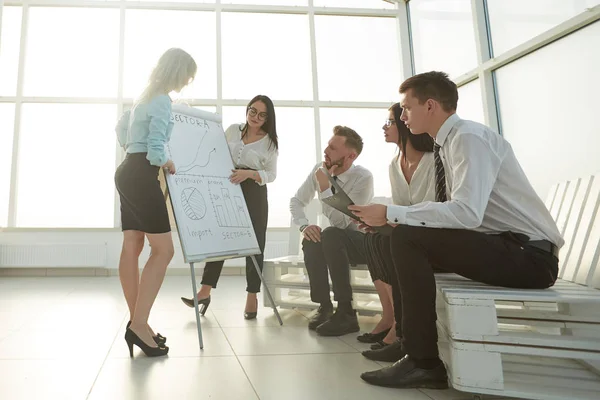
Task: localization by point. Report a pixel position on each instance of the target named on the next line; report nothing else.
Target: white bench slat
(587, 270)
(558, 200)
(574, 222)
(573, 267)
(567, 204)
(551, 196)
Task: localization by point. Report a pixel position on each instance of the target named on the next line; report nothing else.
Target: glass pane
(193, 31)
(295, 131)
(72, 52)
(358, 58)
(179, 1)
(10, 33)
(7, 118)
(513, 22)
(470, 102)
(258, 61)
(354, 4)
(268, 2)
(554, 128)
(65, 178)
(377, 154)
(443, 36)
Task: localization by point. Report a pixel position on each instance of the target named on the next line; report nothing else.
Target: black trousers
(258, 208)
(337, 250)
(498, 260)
(381, 267)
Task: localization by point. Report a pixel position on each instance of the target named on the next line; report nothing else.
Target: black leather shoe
(340, 323)
(405, 374)
(323, 314)
(372, 337)
(390, 353)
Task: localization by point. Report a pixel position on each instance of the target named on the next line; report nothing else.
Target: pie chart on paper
(193, 204)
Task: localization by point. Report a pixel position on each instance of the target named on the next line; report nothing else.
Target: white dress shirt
(487, 189)
(357, 183)
(422, 184)
(260, 155)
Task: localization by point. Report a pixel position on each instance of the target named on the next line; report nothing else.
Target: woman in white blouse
(412, 177)
(254, 149)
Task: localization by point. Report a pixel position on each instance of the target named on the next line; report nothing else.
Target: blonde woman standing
(143, 133)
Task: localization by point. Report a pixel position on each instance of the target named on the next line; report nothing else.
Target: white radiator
(53, 255)
(276, 249)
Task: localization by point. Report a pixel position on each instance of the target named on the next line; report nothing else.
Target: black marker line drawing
(193, 203)
(190, 167)
(229, 212)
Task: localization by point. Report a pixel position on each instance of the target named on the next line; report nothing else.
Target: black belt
(545, 245)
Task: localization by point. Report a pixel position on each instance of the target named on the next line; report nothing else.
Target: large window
(470, 104)
(365, 65)
(443, 36)
(7, 117)
(514, 22)
(193, 31)
(353, 3)
(10, 34)
(66, 166)
(266, 54)
(72, 52)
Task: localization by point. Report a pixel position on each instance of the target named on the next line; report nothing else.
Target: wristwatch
(303, 227)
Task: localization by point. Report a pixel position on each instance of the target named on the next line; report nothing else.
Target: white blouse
(422, 184)
(260, 155)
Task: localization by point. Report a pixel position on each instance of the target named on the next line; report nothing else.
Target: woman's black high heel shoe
(158, 339)
(131, 338)
(372, 337)
(251, 315)
(203, 304)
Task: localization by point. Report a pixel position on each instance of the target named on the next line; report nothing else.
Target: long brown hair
(422, 142)
(269, 125)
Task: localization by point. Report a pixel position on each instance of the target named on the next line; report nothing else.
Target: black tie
(333, 187)
(440, 175)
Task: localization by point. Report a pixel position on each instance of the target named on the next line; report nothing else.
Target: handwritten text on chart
(232, 235)
(188, 120)
(200, 234)
(185, 180)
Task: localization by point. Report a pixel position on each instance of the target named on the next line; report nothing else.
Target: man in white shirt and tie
(487, 224)
(339, 245)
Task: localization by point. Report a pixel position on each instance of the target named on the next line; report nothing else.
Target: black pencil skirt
(143, 206)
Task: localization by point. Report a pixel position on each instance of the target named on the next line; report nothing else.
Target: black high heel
(132, 338)
(158, 339)
(204, 303)
(251, 315)
(373, 337)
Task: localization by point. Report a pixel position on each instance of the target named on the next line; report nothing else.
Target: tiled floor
(62, 338)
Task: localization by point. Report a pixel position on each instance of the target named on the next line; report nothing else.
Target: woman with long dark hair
(412, 178)
(254, 149)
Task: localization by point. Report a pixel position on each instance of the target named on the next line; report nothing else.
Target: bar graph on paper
(229, 210)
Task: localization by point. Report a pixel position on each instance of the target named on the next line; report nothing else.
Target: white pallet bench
(536, 344)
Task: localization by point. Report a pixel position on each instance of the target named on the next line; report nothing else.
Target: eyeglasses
(253, 112)
(389, 122)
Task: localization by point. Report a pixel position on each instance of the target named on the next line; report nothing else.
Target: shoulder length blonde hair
(174, 70)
